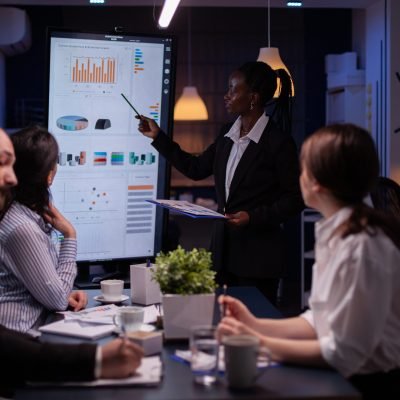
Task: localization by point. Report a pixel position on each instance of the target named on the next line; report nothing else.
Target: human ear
(50, 177)
(255, 98)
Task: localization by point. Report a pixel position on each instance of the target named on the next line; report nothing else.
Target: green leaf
(185, 272)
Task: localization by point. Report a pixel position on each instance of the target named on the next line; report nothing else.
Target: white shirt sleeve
(98, 361)
(308, 316)
(363, 290)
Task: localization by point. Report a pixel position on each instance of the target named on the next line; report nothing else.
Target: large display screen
(106, 167)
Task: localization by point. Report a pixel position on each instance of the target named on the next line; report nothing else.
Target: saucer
(143, 328)
(101, 299)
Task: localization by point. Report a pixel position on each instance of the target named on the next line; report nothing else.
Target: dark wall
(324, 33)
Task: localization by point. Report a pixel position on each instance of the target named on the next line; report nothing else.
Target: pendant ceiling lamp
(270, 55)
(190, 106)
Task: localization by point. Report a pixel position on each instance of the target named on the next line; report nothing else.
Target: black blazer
(26, 359)
(265, 184)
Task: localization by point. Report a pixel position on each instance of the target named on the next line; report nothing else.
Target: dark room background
(221, 40)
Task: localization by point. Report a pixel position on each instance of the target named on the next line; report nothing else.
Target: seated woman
(34, 276)
(353, 323)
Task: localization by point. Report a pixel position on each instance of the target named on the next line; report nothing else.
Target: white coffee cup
(112, 289)
(129, 319)
(241, 354)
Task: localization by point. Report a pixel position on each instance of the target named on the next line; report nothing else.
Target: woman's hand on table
(77, 300)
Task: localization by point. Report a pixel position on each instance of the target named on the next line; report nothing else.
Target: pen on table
(223, 306)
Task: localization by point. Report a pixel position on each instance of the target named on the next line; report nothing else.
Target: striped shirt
(34, 276)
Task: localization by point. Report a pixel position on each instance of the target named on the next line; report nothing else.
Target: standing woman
(255, 166)
(34, 276)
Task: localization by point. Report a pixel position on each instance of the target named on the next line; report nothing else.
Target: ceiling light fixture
(96, 1)
(167, 12)
(294, 3)
(190, 106)
(270, 55)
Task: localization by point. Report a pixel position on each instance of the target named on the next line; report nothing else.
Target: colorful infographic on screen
(106, 168)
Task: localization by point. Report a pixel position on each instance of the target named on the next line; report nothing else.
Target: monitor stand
(89, 277)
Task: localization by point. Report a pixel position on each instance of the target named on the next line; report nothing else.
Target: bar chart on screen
(93, 69)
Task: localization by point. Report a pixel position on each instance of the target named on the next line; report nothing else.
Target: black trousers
(268, 287)
(378, 386)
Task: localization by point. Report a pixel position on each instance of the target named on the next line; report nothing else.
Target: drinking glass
(204, 361)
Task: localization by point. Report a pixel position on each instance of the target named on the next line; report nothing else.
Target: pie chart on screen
(72, 123)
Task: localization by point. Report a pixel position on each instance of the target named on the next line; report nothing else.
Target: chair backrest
(386, 196)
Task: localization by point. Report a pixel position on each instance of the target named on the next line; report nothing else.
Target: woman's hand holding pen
(238, 219)
(234, 308)
(148, 127)
(238, 318)
(231, 326)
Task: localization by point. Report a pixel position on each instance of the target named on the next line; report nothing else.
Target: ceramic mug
(241, 354)
(129, 319)
(112, 289)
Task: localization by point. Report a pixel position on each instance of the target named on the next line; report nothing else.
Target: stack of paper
(187, 208)
(92, 323)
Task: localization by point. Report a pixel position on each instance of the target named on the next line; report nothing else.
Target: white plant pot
(181, 313)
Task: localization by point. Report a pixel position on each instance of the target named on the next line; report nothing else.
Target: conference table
(277, 382)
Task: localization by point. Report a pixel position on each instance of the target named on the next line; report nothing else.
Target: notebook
(78, 328)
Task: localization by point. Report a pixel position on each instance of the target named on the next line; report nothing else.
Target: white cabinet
(346, 104)
(345, 94)
(308, 219)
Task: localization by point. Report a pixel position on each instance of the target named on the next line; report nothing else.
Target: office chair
(386, 196)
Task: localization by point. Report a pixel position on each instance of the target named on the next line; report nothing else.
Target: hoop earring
(251, 106)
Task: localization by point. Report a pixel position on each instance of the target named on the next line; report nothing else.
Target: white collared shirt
(354, 304)
(240, 145)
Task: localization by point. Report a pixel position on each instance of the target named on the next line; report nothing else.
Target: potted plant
(187, 285)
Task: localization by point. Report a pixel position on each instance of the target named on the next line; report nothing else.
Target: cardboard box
(151, 342)
(143, 289)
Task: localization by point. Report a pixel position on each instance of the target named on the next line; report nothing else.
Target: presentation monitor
(106, 168)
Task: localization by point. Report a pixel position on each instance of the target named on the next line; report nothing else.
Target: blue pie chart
(72, 123)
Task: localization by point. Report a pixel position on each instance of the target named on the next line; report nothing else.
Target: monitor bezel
(164, 172)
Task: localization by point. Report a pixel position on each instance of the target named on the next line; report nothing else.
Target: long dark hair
(36, 153)
(343, 159)
(262, 79)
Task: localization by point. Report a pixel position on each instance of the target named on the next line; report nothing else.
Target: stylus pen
(133, 108)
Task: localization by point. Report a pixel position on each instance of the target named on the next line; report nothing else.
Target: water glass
(204, 361)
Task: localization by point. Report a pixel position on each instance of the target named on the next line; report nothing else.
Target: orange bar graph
(93, 70)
